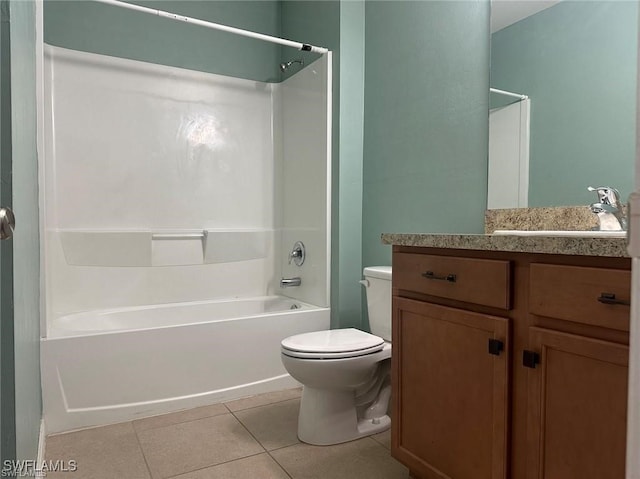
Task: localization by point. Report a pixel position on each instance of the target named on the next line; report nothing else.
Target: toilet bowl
(345, 372)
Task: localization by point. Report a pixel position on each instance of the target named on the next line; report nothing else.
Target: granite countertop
(610, 247)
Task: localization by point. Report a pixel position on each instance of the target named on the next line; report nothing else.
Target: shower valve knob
(297, 254)
(7, 223)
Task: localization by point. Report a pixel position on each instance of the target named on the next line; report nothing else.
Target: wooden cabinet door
(449, 391)
(577, 407)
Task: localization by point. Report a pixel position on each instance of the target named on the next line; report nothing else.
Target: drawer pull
(610, 298)
(431, 275)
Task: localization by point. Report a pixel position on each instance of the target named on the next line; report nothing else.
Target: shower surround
(165, 186)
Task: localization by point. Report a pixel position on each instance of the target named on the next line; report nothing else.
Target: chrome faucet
(289, 282)
(608, 209)
(298, 253)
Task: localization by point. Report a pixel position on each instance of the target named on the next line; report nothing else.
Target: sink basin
(572, 234)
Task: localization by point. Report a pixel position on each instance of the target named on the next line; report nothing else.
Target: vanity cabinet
(577, 407)
(452, 368)
(577, 410)
(509, 365)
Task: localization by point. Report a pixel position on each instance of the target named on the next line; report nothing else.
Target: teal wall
(26, 241)
(348, 262)
(7, 357)
(108, 30)
(577, 61)
(426, 128)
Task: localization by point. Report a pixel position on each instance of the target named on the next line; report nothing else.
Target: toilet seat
(332, 344)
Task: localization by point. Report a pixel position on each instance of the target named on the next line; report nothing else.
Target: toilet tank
(377, 280)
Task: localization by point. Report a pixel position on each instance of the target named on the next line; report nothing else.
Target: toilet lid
(334, 343)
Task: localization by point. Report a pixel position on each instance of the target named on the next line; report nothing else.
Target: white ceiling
(507, 12)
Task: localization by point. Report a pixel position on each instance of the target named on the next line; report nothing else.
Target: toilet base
(330, 417)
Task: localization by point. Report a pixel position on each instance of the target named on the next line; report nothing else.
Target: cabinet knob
(530, 359)
(495, 347)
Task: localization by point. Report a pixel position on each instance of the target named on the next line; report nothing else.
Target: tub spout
(289, 282)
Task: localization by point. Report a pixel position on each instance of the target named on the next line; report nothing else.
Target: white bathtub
(100, 367)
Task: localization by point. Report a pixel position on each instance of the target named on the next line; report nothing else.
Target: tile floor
(252, 438)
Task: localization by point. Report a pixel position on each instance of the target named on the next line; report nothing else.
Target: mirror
(576, 64)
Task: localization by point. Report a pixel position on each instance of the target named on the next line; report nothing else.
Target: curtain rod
(508, 93)
(216, 26)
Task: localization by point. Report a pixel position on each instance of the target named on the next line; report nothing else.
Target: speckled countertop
(611, 247)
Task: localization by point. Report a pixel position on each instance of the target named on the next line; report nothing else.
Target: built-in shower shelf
(163, 247)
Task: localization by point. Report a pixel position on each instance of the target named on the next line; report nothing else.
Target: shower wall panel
(139, 145)
(135, 148)
(305, 125)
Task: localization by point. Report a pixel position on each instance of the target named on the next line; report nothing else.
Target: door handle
(7, 223)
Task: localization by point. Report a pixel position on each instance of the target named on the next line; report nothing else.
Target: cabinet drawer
(479, 281)
(595, 296)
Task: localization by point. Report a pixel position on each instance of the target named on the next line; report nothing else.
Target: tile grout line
(262, 405)
(266, 405)
(284, 447)
(278, 463)
(379, 442)
(144, 456)
(180, 422)
(256, 439)
(214, 465)
(247, 429)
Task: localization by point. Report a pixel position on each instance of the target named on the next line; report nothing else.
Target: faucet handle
(606, 195)
(297, 254)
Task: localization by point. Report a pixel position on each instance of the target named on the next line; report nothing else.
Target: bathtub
(101, 367)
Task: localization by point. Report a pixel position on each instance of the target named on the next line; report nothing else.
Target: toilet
(345, 372)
